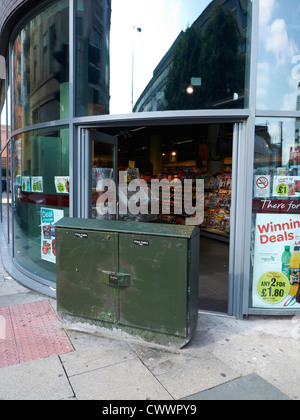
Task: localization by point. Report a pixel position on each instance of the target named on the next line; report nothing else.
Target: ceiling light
(190, 90)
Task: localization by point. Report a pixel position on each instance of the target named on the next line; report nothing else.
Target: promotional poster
(48, 218)
(276, 276)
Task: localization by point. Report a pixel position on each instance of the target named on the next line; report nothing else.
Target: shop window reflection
(278, 55)
(215, 55)
(214, 51)
(92, 57)
(41, 67)
(207, 40)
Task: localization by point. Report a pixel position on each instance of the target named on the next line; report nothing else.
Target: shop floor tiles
(213, 275)
(30, 331)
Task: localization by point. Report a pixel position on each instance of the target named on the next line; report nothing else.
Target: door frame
(84, 183)
(238, 214)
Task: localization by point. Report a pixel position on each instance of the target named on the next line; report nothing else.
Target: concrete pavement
(227, 358)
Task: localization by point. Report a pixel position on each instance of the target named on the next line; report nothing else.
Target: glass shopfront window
(275, 253)
(92, 57)
(6, 189)
(141, 56)
(40, 88)
(278, 55)
(41, 197)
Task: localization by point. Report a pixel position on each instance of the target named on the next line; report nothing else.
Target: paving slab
(8, 286)
(42, 379)
(93, 353)
(129, 380)
(189, 375)
(274, 359)
(250, 388)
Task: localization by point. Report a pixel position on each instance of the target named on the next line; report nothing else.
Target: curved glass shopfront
(40, 164)
(179, 71)
(41, 197)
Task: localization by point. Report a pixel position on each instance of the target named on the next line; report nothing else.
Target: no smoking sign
(262, 186)
(262, 182)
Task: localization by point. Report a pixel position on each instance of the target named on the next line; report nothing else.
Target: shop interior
(202, 151)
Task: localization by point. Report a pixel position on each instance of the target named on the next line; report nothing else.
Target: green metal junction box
(141, 278)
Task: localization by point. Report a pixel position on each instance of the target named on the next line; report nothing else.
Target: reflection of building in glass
(294, 152)
(92, 49)
(41, 68)
(263, 154)
(17, 54)
(275, 147)
(267, 151)
(4, 154)
(219, 90)
(41, 63)
(153, 97)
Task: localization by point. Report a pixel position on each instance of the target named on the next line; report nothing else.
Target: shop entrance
(173, 152)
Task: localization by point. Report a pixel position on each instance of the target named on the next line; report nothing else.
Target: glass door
(214, 152)
(102, 175)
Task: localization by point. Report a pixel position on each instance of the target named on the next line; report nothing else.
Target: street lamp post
(195, 81)
(138, 30)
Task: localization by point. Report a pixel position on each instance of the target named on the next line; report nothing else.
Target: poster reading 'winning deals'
(48, 218)
(276, 274)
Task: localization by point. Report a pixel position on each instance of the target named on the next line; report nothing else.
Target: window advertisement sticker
(62, 184)
(262, 186)
(286, 186)
(48, 218)
(276, 276)
(37, 184)
(26, 183)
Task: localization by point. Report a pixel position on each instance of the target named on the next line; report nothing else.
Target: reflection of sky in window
(279, 55)
(3, 113)
(161, 22)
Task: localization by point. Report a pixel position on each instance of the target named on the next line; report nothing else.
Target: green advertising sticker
(282, 189)
(60, 187)
(273, 287)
